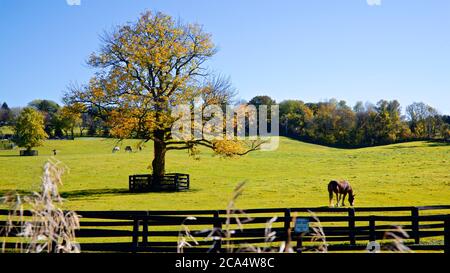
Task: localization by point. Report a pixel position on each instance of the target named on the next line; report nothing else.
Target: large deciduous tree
(145, 69)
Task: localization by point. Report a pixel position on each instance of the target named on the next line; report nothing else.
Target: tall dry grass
(38, 219)
(397, 236)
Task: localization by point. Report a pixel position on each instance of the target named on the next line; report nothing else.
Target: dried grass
(318, 235)
(185, 236)
(39, 221)
(397, 235)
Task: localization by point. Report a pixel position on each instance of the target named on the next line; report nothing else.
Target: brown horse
(341, 189)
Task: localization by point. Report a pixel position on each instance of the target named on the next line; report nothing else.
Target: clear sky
(311, 50)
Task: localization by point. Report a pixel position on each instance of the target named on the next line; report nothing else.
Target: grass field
(416, 173)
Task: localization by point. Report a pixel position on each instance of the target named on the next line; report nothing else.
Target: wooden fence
(346, 229)
(170, 182)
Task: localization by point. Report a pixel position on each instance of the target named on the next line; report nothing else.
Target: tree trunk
(159, 160)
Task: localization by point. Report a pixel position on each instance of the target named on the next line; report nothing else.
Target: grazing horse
(341, 189)
(116, 149)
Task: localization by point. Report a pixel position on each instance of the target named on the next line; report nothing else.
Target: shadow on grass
(19, 192)
(89, 193)
(104, 192)
(437, 143)
(92, 192)
(406, 147)
(428, 144)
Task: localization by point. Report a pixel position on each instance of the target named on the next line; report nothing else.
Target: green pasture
(296, 175)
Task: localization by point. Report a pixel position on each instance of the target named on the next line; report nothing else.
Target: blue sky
(311, 50)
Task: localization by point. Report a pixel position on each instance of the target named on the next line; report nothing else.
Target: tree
(50, 110)
(5, 114)
(346, 120)
(295, 117)
(29, 130)
(359, 107)
(69, 118)
(266, 101)
(424, 120)
(445, 132)
(45, 106)
(262, 100)
(147, 68)
(388, 121)
(324, 123)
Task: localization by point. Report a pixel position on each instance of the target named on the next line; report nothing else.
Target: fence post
(177, 187)
(130, 183)
(372, 234)
(415, 224)
(218, 230)
(447, 235)
(287, 225)
(351, 225)
(300, 243)
(135, 235)
(145, 232)
(151, 181)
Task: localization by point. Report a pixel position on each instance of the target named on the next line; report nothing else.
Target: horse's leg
(343, 199)
(337, 199)
(330, 194)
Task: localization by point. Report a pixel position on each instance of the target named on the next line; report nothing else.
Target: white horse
(116, 149)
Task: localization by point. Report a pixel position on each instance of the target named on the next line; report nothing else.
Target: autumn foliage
(146, 68)
(29, 129)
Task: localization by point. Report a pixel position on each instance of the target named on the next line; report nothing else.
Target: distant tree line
(337, 124)
(59, 121)
(332, 122)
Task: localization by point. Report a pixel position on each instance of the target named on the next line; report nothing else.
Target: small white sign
(301, 225)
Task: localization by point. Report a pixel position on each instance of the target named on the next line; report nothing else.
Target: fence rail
(346, 229)
(169, 182)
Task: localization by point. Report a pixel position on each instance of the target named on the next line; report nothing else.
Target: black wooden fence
(346, 229)
(169, 182)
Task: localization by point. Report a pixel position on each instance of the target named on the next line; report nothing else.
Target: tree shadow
(102, 192)
(428, 144)
(77, 194)
(437, 143)
(405, 147)
(92, 192)
(19, 192)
